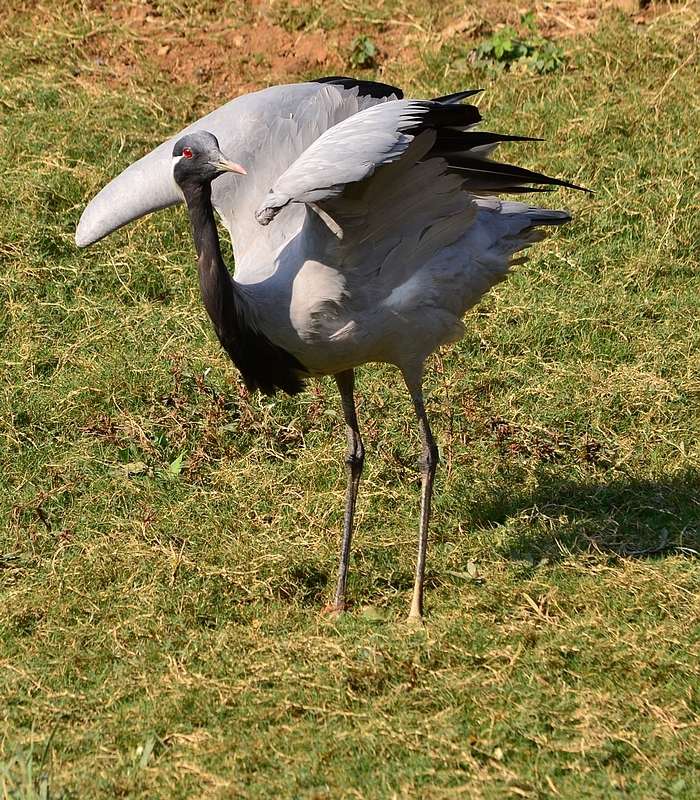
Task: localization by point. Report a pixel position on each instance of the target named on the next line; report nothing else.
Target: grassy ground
(167, 541)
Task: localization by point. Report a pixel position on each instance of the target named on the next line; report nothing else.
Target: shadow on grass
(562, 517)
(627, 517)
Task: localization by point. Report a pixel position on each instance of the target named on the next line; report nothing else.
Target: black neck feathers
(263, 365)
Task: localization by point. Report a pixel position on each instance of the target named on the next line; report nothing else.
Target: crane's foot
(415, 621)
(333, 611)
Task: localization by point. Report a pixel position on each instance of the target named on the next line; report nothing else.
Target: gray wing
(393, 203)
(346, 153)
(350, 152)
(297, 113)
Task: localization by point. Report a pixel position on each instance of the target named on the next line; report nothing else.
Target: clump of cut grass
(302, 16)
(21, 778)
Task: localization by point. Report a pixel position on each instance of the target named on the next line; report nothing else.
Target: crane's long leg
(427, 462)
(354, 459)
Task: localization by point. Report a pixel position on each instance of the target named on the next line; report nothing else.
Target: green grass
(166, 625)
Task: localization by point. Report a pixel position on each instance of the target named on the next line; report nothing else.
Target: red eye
(186, 152)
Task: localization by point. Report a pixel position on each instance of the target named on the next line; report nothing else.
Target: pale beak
(225, 165)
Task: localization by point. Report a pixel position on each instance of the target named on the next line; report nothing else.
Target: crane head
(197, 159)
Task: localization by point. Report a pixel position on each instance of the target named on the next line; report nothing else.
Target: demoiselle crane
(363, 225)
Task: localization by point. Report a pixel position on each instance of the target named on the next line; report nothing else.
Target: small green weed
(507, 50)
(363, 52)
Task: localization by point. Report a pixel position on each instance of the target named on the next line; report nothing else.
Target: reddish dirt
(229, 55)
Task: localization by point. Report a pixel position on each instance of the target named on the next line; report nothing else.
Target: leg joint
(429, 458)
(355, 457)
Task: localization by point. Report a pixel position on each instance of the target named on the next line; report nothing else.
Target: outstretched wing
(272, 127)
(393, 214)
(351, 150)
(346, 153)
